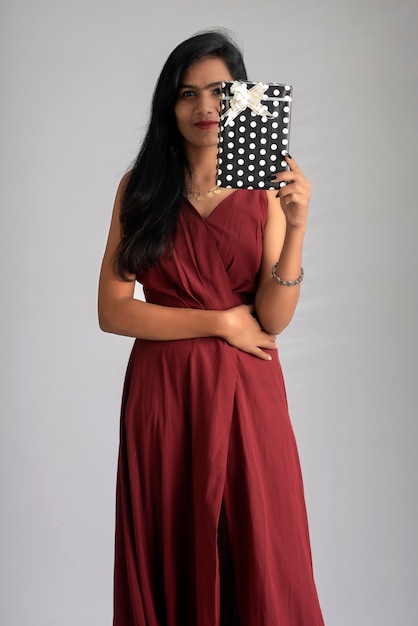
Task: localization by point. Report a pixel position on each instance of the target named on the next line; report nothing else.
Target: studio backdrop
(77, 80)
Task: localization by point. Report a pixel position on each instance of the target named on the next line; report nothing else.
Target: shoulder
(266, 204)
(260, 205)
(255, 198)
(120, 193)
(123, 183)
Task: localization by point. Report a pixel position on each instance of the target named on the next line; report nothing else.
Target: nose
(206, 103)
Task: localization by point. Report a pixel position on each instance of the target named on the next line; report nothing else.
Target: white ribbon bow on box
(246, 98)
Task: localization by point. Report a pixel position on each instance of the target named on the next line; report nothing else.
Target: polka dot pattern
(251, 147)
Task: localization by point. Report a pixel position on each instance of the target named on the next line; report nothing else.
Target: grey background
(76, 82)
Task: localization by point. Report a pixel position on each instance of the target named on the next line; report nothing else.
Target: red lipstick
(206, 124)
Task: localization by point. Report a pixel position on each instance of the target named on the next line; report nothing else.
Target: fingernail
(288, 156)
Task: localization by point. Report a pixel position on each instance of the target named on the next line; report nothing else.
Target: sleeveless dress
(211, 527)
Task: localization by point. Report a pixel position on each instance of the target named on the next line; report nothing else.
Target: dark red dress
(211, 526)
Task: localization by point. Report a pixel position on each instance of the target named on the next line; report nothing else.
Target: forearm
(275, 303)
(143, 320)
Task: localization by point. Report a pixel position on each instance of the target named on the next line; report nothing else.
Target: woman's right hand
(243, 331)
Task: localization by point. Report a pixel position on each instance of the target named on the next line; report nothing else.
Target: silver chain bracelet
(287, 283)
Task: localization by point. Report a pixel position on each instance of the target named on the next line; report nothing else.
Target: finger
(261, 354)
(290, 176)
(272, 339)
(291, 196)
(292, 163)
(294, 186)
(271, 344)
(266, 338)
(294, 182)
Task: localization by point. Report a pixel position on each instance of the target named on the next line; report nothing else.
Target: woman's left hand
(294, 196)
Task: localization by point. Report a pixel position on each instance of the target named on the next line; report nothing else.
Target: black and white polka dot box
(253, 133)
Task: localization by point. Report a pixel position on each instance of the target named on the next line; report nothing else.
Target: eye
(217, 91)
(187, 93)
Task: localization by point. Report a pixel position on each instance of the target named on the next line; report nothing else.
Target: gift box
(253, 133)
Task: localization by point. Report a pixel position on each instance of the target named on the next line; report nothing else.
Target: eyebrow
(215, 84)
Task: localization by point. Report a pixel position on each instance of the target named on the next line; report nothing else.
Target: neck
(202, 163)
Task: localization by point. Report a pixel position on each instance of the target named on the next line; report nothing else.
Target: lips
(206, 124)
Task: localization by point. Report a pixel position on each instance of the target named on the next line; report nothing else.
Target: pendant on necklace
(199, 196)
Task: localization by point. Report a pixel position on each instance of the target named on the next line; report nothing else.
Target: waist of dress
(204, 301)
(209, 351)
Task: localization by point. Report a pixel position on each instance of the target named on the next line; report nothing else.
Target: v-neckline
(215, 208)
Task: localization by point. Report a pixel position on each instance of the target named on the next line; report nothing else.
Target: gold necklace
(198, 195)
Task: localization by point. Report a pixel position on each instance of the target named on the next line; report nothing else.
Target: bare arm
(120, 313)
(282, 244)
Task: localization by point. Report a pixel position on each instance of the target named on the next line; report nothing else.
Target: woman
(211, 526)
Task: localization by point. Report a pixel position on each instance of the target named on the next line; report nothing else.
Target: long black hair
(155, 184)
